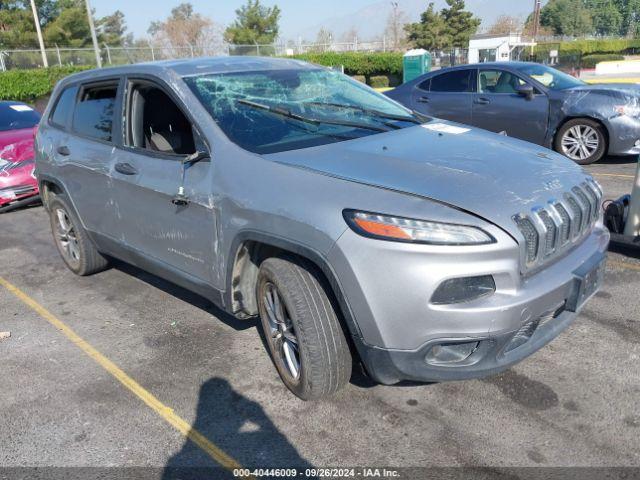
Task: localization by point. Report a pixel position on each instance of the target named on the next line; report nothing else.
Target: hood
(616, 88)
(489, 175)
(16, 146)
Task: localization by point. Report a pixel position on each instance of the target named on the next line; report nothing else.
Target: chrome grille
(577, 215)
(565, 223)
(553, 228)
(549, 244)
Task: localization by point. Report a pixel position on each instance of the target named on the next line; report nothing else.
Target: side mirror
(525, 90)
(180, 199)
(196, 157)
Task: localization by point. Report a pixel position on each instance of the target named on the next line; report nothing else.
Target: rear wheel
(581, 140)
(302, 330)
(73, 243)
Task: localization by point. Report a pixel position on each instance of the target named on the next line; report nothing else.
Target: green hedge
(358, 63)
(586, 47)
(590, 61)
(28, 85)
(379, 81)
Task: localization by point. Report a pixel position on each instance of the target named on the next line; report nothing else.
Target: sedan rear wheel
(581, 140)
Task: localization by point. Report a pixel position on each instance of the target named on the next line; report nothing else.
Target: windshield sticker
(444, 128)
(21, 108)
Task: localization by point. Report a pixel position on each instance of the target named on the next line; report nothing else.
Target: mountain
(370, 21)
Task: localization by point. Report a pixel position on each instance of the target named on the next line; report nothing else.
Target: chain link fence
(32, 58)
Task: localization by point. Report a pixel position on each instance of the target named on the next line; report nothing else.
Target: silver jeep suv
(358, 230)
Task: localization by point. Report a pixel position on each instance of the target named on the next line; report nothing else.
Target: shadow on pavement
(184, 295)
(621, 160)
(240, 427)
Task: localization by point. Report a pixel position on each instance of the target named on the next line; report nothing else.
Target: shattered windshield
(550, 77)
(278, 110)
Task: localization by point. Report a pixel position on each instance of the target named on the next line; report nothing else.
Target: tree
(112, 29)
(185, 32)
(430, 32)
(630, 12)
(506, 24)
(460, 23)
(606, 17)
(395, 32)
(451, 27)
(350, 36)
(323, 39)
(70, 28)
(255, 24)
(567, 17)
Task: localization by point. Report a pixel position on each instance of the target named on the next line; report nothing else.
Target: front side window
(16, 116)
(499, 81)
(63, 107)
(93, 115)
(457, 81)
(549, 77)
(155, 123)
(277, 110)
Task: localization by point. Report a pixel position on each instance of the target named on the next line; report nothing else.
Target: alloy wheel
(66, 236)
(281, 333)
(580, 142)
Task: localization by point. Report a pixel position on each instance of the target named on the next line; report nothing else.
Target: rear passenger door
(147, 176)
(448, 95)
(83, 150)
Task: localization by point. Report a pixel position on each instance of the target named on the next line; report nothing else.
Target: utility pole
(94, 38)
(537, 5)
(36, 19)
(394, 25)
(536, 18)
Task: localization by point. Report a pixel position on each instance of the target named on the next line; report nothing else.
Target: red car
(18, 184)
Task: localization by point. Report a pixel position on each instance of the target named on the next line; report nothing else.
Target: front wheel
(581, 140)
(302, 330)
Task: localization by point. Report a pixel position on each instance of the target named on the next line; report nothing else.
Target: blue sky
(139, 13)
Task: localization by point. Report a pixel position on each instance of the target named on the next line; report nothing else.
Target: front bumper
(394, 347)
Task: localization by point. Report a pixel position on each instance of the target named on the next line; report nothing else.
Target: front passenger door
(448, 95)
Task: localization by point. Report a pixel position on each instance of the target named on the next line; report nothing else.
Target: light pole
(92, 27)
(394, 25)
(36, 19)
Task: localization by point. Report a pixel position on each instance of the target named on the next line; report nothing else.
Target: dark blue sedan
(535, 103)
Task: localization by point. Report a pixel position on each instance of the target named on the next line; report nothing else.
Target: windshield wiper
(368, 111)
(283, 112)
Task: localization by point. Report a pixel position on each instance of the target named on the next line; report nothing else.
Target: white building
(497, 48)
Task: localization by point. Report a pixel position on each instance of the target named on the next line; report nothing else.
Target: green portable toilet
(415, 63)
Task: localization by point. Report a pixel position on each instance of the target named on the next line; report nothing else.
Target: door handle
(64, 150)
(423, 100)
(126, 169)
(482, 101)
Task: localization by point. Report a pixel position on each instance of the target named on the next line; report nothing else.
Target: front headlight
(399, 229)
(630, 110)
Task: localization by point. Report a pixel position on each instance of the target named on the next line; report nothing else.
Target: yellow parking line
(628, 266)
(613, 175)
(160, 408)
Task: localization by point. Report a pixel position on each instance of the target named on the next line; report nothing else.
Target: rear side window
(426, 85)
(93, 115)
(63, 108)
(458, 81)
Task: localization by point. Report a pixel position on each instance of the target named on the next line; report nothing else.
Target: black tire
(324, 358)
(83, 259)
(597, 154)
